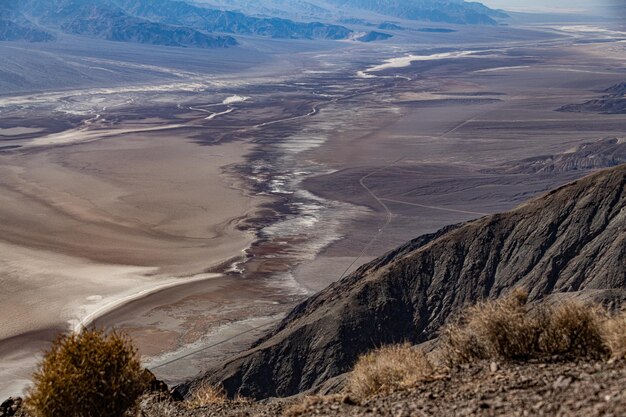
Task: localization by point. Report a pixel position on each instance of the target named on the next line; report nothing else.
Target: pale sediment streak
(313, 222)
(100, 306)
(407, 60)
(235, 99)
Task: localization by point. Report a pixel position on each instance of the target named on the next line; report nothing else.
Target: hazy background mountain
(15, 27)
(104, 19)
(214, 20)
(608, 8)
(212, 23)
(293, 9)
(445, 11)
(164, 22)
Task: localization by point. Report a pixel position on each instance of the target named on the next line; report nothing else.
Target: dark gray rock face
(570, 240)
(10, 406)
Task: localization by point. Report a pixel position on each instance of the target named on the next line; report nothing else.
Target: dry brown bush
(509, 329)
(206, 394)
(388, 369)
(614, 335)
(572, 330)
(90, 374)
(501, 328)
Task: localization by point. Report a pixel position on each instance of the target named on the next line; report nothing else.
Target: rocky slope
(603, 153)
(488, 389)
(15, 27)
(572, 239)
(166, 22)
(103, 19)
(613, 102)
(214, 20)
(571, 389)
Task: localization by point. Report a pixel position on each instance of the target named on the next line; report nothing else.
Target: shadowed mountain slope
(572, 239)
(614, 102)
(103, 19)
(213, 20)
(603, 153)
(15, 27)
(164, 22)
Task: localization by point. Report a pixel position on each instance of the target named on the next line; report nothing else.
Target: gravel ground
(584, 389)
(485, 389)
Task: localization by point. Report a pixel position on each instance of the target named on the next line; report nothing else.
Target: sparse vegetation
(510, 329)
(501, 328)
(388, 369)
(92, 374)
(572, 330)
(507, 329)
(206, 394)
(89, 374)
(614, 335)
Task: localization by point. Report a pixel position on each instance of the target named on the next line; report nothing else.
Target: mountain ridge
(14, 26)
(569, 240)
(167, 23)
(103, 19)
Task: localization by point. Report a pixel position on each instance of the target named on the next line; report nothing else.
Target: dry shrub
(572, 330)
(509, 329)
(90, 374)
(614, 335)
(501, 328)
(206, 394)
(388, 369)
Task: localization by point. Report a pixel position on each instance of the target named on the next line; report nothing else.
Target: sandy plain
(90, 227)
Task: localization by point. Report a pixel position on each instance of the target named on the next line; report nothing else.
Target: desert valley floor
(192, 212)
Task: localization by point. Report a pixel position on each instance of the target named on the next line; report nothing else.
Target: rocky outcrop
(614, 102)
(374, 36)
(10, 407)
(571, 240)
(603, 153)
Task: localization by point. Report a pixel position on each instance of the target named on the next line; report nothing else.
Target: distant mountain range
(163, 22)
(213, 20)
(14, 26)
(444, 11)
(212, 23)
